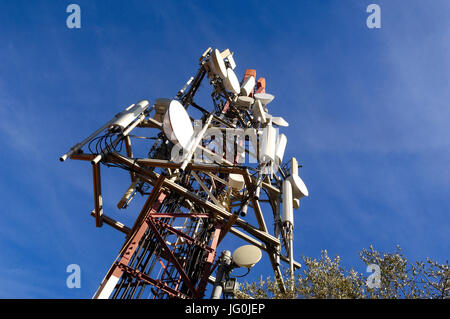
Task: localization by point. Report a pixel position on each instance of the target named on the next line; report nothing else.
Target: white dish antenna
(265, 98)
(231, 82)
(245, 102)
(177, 125)
(246, 256)
(279, 121)
(299, 189)
(218, 65)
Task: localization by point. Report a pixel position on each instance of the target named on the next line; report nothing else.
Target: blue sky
(368, 113)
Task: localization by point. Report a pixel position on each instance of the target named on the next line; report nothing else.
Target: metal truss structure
(191, 205)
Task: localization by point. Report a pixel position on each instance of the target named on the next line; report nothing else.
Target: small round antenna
(246, 256)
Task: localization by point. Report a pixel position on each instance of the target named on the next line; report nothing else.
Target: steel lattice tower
(191, 205)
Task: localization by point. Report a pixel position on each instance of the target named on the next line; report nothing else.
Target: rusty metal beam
(98, 201)
(213, 168)
(277, 271)
(174, 215)
(83, 157)
(114, 223)
(179, 233)
(207, 270)
(157, 283)
(146, 175)
(260, 245)
(228, 226)
(172, 257)
(151, 123)
(147, 208)
(129, 151)
(259, 215)
(130, 245)
(203, 186)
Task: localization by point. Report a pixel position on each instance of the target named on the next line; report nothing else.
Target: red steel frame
(150, 221)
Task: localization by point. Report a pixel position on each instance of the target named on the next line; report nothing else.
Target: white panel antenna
(269, 143)
(281, 147)
(231, 61)
(247, 86)
(125, 118)
(288, 215)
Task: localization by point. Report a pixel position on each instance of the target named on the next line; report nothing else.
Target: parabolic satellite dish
(265, 98)
(279, 121)
(299, 189)
(245, 102)
(246, 256)
(218, 64)
(177, 125)
(231, 82)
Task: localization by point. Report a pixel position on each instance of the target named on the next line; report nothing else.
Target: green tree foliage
(327, 278)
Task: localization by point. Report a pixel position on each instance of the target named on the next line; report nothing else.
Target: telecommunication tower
(201, 179)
